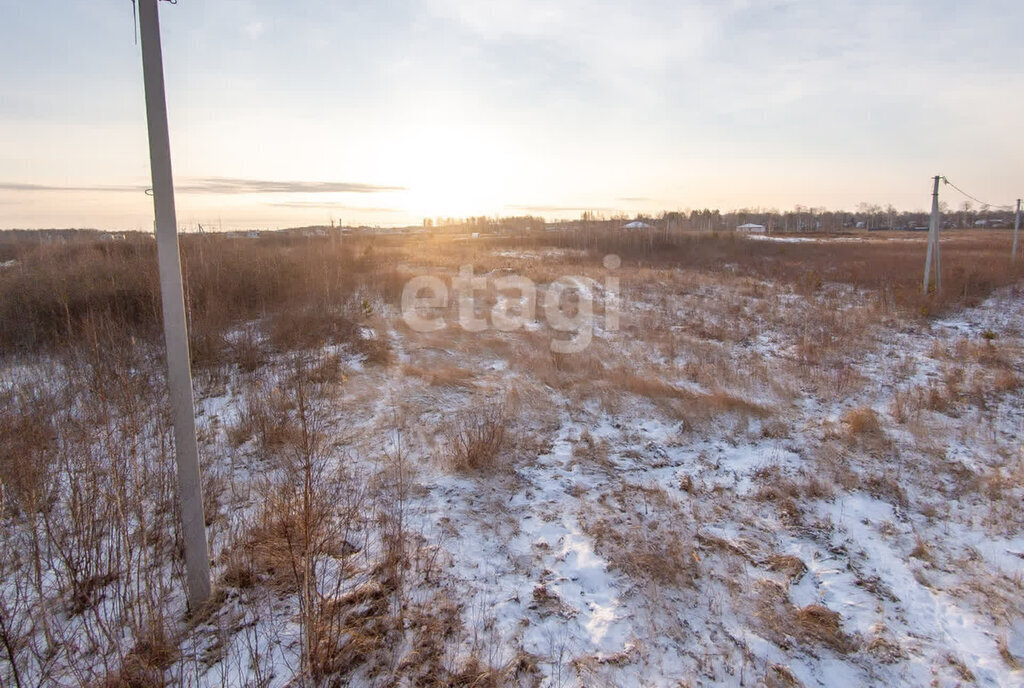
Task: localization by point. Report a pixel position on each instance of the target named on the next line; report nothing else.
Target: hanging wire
(980, 202)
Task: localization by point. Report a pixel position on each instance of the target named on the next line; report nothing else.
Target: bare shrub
(887, 487)
(349, 631)
(27, 436)
(264, 414)
(145, 666)
(248, 352)
(374, 350)
(311, 327)
(476, 439)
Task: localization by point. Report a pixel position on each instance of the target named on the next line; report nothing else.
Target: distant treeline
(800, 219)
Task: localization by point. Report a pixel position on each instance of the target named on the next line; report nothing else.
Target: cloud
(228, 185)
(332, 206)
(15, 186)
(624, 48)
(224, 186)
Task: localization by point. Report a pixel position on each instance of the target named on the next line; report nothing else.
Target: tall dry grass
(888, 265)
(303, 291)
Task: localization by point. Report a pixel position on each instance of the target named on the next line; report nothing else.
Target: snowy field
(745, 484)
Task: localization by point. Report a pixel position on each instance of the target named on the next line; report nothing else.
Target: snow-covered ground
(741, 486)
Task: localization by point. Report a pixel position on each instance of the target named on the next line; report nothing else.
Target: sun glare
(453, 169)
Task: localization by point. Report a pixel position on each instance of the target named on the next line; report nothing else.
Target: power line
(976, 200)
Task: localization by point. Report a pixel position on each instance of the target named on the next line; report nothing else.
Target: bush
(476, 439)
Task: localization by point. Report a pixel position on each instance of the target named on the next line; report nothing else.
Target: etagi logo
(568, 304)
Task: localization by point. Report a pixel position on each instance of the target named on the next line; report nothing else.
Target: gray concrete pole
(179, 374)
(1016, 231)
(933, 243)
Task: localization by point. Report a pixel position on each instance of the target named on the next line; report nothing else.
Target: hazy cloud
(15, 186)
(223, 185)
(332, 206)
(228, 185)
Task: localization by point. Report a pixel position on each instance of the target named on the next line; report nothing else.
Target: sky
(386, 112)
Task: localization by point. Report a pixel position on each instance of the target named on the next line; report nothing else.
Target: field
(679, 460)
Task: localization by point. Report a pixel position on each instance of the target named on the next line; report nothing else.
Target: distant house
(751, 228)
(636, 224)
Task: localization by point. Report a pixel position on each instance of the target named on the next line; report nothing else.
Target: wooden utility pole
(179, 373)
(932, 256)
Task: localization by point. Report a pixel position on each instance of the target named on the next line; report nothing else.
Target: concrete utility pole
(179, 374)
(933, 245)
(1016, 231)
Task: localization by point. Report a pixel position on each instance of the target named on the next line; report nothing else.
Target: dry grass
(786, 492)
(779, 676)
(862, 422)
(1008, 657)
(441, 375)
(253, 303)
(792, 567)
(305, 292)
(146, 664)
(641, 533)
(264, 415)
(286, 533)
(27, 437)
(821, 624)
(811, 625)
(886, 266)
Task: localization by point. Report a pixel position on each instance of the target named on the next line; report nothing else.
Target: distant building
(637, 224)
(751, 228)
